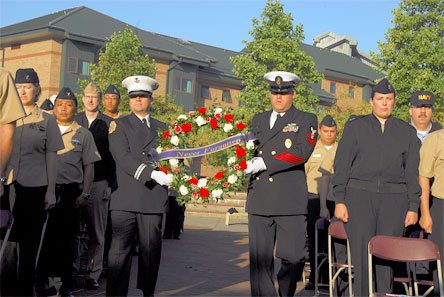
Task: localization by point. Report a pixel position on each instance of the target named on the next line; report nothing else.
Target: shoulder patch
(112, 127)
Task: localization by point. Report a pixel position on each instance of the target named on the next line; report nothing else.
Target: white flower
(232, 160)
(182, 117)
(202, 183)
(159, 149)
(217, 193)
(217, 111)
(170, 176)
(174, 140)
(232, 179)
(250, 145)
(185, 177)
(200, 121)
(239, 173)
(228, 127)
(174, 162)
(183, 190)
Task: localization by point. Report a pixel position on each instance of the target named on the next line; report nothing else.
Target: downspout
(172, 66)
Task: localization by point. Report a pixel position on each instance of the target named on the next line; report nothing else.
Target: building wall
(44, 56)
(161, 77)
(343, 99)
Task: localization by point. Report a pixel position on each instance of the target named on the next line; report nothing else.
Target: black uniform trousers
(57, 252)
(288, 233)
(313, 211)
(372, 214)
(173, 218)
(124, 226)
(437, 236)
(29, 216)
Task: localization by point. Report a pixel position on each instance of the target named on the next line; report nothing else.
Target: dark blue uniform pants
(288, 233)
(149, 229)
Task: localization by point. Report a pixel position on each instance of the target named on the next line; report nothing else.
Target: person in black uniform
(139, 202)
(375, 182)
(95, 212)
(421, 112)
(277, 190)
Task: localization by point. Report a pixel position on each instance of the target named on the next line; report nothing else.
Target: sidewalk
(210, 259)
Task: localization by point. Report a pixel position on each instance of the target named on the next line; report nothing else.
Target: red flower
(165, 169)
(174, 123)
(190, 113)
(176, 170)
(229, 118)
(225, 185)
(193, 181)
(204, 193)
(240, 126)
(219, 175)
(186, 127)
(202, 110)
(194, 194)
(218, 115)
(237, 167)
(166, 134)
(243, 165)
(177, 129)
(240, 152)
(213, 124)
(208, 119)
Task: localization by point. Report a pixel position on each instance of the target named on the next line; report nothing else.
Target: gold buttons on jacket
(270, 179)
(260, 152)
(257, 178)
(273, 153)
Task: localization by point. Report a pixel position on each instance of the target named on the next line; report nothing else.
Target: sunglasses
(139, 95)
(281, 92)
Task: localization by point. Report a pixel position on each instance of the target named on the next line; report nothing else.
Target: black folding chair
(6, 221)
(321, 225)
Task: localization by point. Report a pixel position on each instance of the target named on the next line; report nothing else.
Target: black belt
(377, 187)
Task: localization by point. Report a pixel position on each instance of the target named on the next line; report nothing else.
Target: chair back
(403, 249)
(337, 230)
(321, 224)
(5, 218)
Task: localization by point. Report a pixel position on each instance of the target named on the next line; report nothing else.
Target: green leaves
(275, 46)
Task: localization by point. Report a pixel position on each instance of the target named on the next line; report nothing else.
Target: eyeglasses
(282, 92)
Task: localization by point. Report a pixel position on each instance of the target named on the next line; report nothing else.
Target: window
(72, 64)
(183, 85)
(226, 96)
(205, 92)
(351, 92)
(84, 67)
(332, 87)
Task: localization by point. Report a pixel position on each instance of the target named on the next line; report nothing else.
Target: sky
(225, 23)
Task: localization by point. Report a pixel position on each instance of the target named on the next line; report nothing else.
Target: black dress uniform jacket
(130, 142)
(282, 188)
(104, 169)
(378, 162)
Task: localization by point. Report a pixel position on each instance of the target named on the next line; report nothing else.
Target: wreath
(202, 123)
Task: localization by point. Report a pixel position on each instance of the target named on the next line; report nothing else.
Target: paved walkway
(210, 259)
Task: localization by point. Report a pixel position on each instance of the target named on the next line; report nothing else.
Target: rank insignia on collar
(292, 127)
(112, 127)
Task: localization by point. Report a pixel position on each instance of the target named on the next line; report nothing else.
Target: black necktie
(145, 123)
(278, 119)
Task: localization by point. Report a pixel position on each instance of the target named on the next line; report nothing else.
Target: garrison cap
(112, 89)
(281, 80)
(140, 85)
(92, 88)
(26, 75)
(383, 87)
(66, 94)
(422, 98)
(328, 121)
(47, 105)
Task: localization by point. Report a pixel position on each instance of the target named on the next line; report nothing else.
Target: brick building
(61, 47)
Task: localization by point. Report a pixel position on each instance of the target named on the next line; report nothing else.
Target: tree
(122, 57)
(275, 46)
(413, 54)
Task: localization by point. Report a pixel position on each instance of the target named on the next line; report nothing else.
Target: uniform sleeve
(411, 171)
(303, 145)
(54, 141)
(428, 156)
(120, 149)
(90, 154)
(11, 108)
(345, 154)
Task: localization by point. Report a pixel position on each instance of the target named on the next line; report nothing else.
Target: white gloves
(255, 165)
(162, 178)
